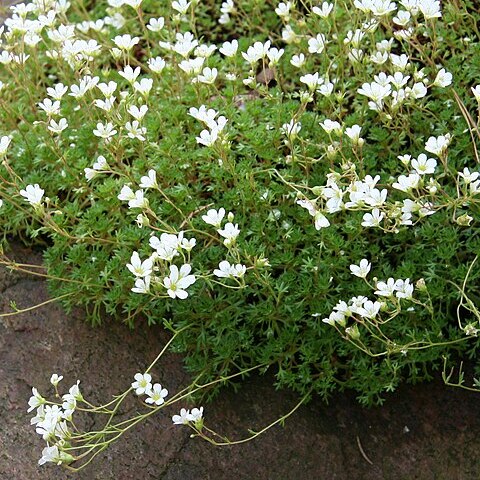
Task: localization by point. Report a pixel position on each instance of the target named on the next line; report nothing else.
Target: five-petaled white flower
(139, 268)
(35, 400)
(226, 270)
(142, 383)
(229, 232)
(361, 270)
(178, 281)
(183, 418)
(4, 144)
(214, 217)
(156, 394)
(33, 194)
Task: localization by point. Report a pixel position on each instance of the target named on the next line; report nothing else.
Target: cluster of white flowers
(54, 421)
(360, 308)
(169, 246)
(186, 416)
(208, 116)
(155, 393)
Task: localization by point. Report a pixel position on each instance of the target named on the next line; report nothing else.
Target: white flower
(353, 133)
(369, 309)
(57, 127)
(375, 91)
(399, 61)
(135, 130)
(214, 217)
(49, 107)
(105, 131)
(226, 270)
(398, 79)
(139, 268)
(443, 78)
(125, 42)
(209, 75)
(35, 400)
(69, 405)
(438, 145)
(86, 84)
(4, 144)
(196, 414)
(230, 232)
(362, 269)
(326, 89)
(205, 51)
(139, 200)
(321, 221)
(178, 281)
(331, 126)
(298, 60)
(317, 44)
(283, 10)
(256, 52)
(55, 379)
(156, 24)
(150, 180)
(274, 55)
(288, 35)
(136, 112)
(156, 64)
(33, 194)
(312, 80)
(181, 6)
(335, 317)
(142, 383)
(386, 289)
(143, 86)
(469, 177)
(291, 129)
(406, 183)
(419, 90)
(476, 92)
(106, 104)
(129, 73)
(183, 418)
(373, 219)
(108, 89)
(402, 18)
(207, 138)
(229, 49)
(57, 91)
(324, 10)
(126, 194)
(156, 394)
(379, 57)
(430, 8)
(354, 38)
(142, 285)
(51, 454)
(404, 289)
(424, 165)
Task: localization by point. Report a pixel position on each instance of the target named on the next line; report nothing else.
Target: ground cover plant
(289, 186)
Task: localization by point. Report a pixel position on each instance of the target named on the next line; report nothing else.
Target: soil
(427, 431)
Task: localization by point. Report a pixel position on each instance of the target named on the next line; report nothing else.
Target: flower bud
(353, 332)
(464, 220)
(421, 285)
